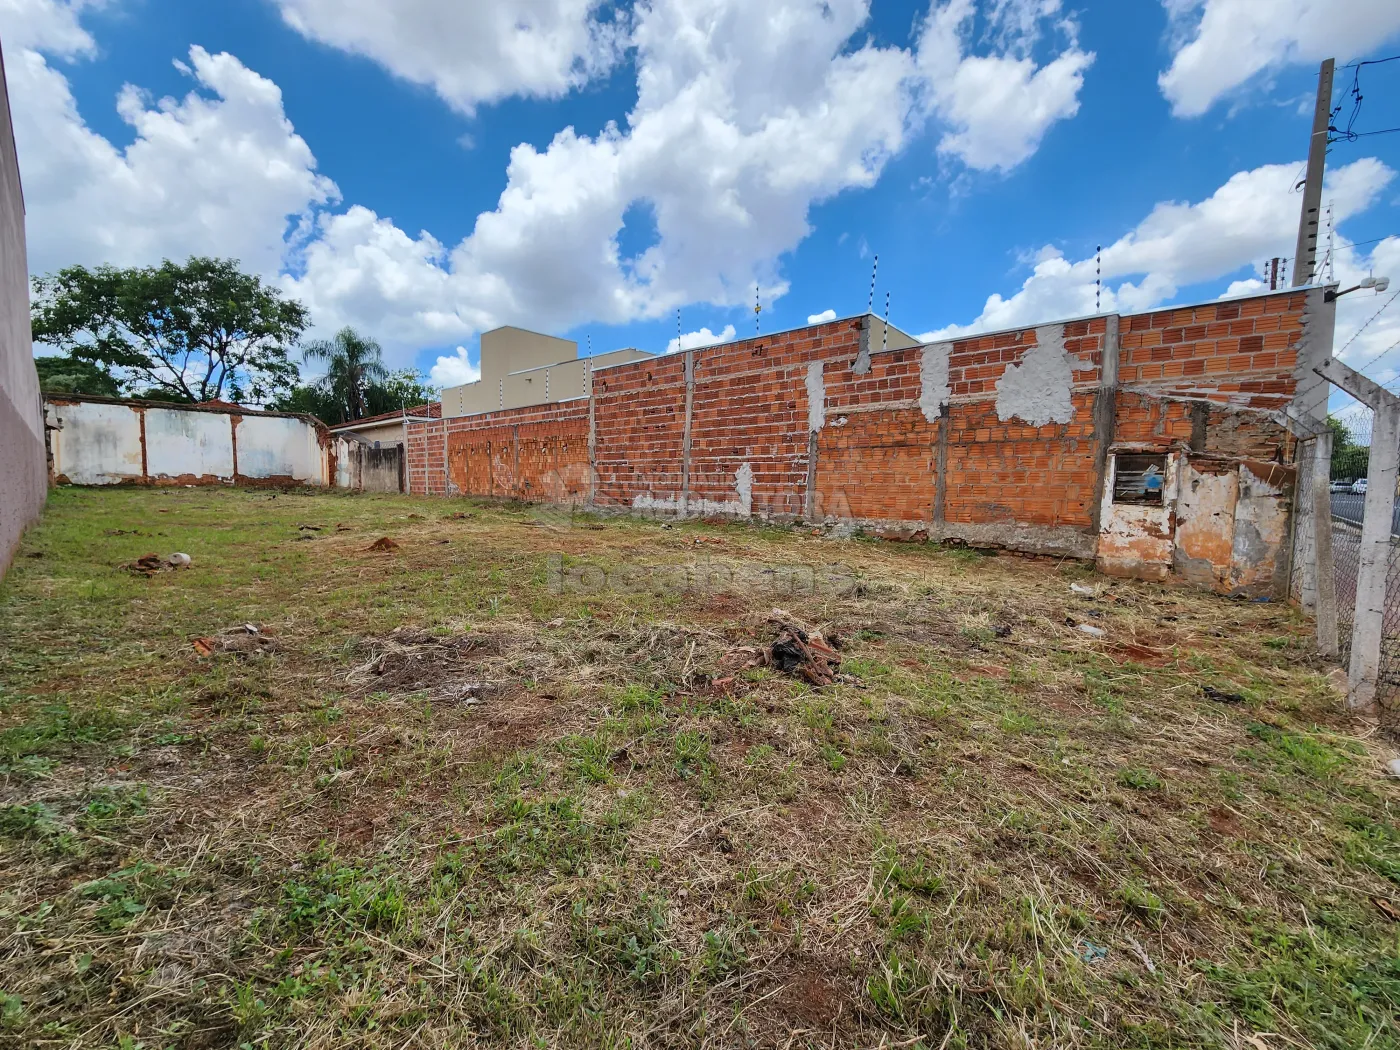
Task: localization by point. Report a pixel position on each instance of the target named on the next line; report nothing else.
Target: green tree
(354, 363)
(193, 331)
(1349, 459)
(400, 389)
(312, 399)
(61, 374)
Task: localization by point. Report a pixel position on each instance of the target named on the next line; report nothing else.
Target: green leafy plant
(192, 331)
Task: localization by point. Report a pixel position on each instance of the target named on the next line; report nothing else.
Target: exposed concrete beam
(1374, 560)
(685, 434)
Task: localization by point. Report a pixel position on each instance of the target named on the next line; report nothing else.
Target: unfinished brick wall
(1208, 386)
(1004, 438)
(639, 430)
(877, 454)
(535, 453)
(1007, 470)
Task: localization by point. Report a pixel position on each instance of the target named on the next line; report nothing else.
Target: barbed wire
(1367, 324)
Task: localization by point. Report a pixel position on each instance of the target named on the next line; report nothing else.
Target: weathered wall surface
(360, 466)
(99, 441)
(23, 482)
(1005, 439)
(537, 453)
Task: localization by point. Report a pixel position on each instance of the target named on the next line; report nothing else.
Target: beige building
(520, 367)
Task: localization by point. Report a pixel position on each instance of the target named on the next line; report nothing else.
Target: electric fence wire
(1380, 355)
(1367, 324)
(1349, 133)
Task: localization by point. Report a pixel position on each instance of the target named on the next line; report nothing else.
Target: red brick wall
(751, 407)
(1011, 471)
(535, 453)
(878, 466)
(1240, 352)
(639, 413)
(427, 464)
(877, 455)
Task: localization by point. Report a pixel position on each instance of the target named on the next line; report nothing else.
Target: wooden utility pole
(1305, 258)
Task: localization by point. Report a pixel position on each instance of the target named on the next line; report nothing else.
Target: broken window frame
(1133, 477)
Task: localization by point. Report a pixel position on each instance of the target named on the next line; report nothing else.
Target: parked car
(1358, 488)
(1340, 486)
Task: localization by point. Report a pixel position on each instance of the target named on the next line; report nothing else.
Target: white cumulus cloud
(821, 318)
(1368, 330)
(1253, 216)
(746, 116)
(470, 51)
(997, 107)
(218, 172)
(1219, 45)
(704, 337)
(454, 370)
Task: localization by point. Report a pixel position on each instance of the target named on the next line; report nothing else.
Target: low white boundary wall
(103, 441)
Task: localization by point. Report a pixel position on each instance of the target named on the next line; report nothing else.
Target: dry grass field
(528, 781)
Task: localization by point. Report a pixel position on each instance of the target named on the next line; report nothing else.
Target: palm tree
(353, 364)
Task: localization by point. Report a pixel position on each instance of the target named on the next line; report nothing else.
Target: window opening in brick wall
(1139, 479)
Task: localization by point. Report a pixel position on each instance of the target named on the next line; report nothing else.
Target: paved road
(1351, 508)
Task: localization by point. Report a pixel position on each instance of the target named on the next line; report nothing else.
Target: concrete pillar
(684, 501)
(1324, 574)
(1374, 563)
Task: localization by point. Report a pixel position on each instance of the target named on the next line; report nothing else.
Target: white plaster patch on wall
(188, 444)
(816, 396)
(740, 506)
(94, 443)
(933, 380)
(1037, 389)
(279, 447)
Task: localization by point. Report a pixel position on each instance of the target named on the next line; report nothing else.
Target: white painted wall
(99, 443)
(23, 481)
(188, 444)
(94, 443)
(281, 447)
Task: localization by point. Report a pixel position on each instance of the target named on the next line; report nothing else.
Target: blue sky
(407, 168)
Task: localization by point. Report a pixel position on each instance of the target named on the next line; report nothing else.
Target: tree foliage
(354, 363)
(357, 382)
(61, 374)
(1349, 459)
(191, 331)
(400, 389)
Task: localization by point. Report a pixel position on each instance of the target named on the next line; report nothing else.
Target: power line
(1373, 240)
(1369, 320)
(1372, 62)
(1349, 134)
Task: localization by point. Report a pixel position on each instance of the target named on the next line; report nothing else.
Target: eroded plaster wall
(360, 466)
(109, 442)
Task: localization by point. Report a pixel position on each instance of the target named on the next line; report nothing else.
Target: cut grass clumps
(447, 803)
(1139, 779)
